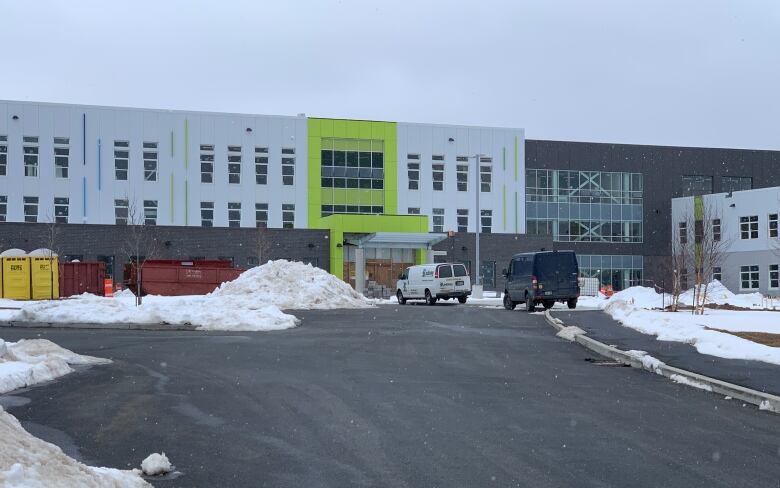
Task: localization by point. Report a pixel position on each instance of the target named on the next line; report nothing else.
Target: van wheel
(400, 297)
(571, 303)
(461, 300)
(530, 306)
(508, 303)
(548, 304)
(429, 298)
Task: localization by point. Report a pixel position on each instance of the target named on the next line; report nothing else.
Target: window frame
(31, 159)
(774, 276)
(31, 201)
(234, 159)
(437, 214)
(748, 227)
(261, 215)
(121, 146)
(151, 156)
(288, 216)
(3, 155)
(772, 226)
(438, 171)
(234, 214)
(206, 209)
(64, 202)
(207, 155)
(753, 277)
(61, 159)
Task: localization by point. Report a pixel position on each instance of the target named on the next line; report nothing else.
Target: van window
(445, 271)
(521, 266)
(458, 270)
(561, 264)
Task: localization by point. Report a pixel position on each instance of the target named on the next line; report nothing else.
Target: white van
(431, 282)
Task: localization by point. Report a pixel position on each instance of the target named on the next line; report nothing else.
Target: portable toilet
(44, 277)
(16, 277)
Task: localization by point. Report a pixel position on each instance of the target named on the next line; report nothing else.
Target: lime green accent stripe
(351, 196)
(515, 158)
(186, 203)
(503, 202)
(698, 207)
(516, 217)
(171, 197)
(186, 143)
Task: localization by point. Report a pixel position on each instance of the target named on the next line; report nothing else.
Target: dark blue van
(542, 277)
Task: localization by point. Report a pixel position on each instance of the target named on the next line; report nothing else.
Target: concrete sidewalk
(757, 375)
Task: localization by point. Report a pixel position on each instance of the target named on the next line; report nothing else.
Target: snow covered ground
(29, 462)
(252, 302)
(640, 308)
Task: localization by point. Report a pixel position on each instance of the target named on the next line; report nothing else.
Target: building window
(716, 230)
(288, 215)
(488, 273)
(748, 227)
(539, 227)
(736, 183)
(413, 211)
(682, 232)
(234, 214)
(437, 157)
(234, 164)
(438, 220)
(207, 163)
(353, 163)
(261, 165)
(463, 220)
(413, 174)
(696, 185)
(3, 155)
(487, 221)
(61, 156)
(716, 273)
(485, 174)
(773, 225)
(684, 279)
(462, 173)
(288, 166)
(150, 212)
(30, 156)
(150, 161)
(415, 157)
(438, 176)
(261, 215)
(31, 209)
(3, 207)
(121, 159)
(748, 277)
(120, 211)
(207, 214)
(61, 210)
(774, 276)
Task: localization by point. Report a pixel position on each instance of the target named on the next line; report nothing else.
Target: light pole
(477, 289)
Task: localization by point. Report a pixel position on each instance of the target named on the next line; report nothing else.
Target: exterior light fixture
(248, 129)
(451, 139)
(15, 117)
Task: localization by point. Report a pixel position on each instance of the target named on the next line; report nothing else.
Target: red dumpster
(82, 277)
(173, 277)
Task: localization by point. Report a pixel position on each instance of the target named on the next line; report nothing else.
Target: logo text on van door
(427, 272)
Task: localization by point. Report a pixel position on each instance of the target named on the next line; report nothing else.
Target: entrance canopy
(397, 240)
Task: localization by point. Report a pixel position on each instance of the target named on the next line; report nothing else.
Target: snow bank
(29, 462)
(156, 464)
(32, 361)
(648, 362)
(291, 285)
(252, 302)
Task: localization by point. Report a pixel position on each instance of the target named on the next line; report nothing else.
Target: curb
(765, 401)
(93, 326)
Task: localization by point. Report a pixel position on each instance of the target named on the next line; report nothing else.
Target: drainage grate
(605, 362)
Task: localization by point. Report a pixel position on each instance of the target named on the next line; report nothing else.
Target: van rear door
(557, 273)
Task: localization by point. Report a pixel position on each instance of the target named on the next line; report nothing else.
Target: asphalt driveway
(394, 396)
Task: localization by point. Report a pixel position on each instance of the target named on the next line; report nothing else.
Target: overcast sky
(676, 72)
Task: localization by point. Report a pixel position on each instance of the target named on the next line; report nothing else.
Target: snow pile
(291, 285)
(32, 361)
(720, 295)
(29, 462)
(638, 296)
(570, 333)
(648, 362)
(156, 464)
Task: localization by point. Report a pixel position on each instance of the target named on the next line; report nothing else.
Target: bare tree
(140, 243)
(709, 251)
(51, 243)
(264, 246)
(681, 254)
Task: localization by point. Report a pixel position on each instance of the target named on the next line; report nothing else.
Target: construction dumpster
(82, 277)
(16, 278)
(172, 277)
(44, 278)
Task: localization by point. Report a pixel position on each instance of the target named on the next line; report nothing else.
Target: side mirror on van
(504, 272)
(401, 276)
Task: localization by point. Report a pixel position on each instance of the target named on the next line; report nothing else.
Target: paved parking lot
(393, 396)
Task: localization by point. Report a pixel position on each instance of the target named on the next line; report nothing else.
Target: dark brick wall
(90, 241)
(662, 168)
(497, 248)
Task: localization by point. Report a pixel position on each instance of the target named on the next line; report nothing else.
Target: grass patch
(765, 338)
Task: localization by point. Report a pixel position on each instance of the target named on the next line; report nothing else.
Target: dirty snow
(26, 461)
(648, 362)
(570, 333)
(156, 464)
(32, 361)
(252, 302)
(684, 380)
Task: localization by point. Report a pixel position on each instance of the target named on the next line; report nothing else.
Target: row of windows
(568, 186)
(437, 219)
(354, 209)
(461, 175)
(748, 229)
(702, 184)
(586, 230)
(749, 277)
(30, 208)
